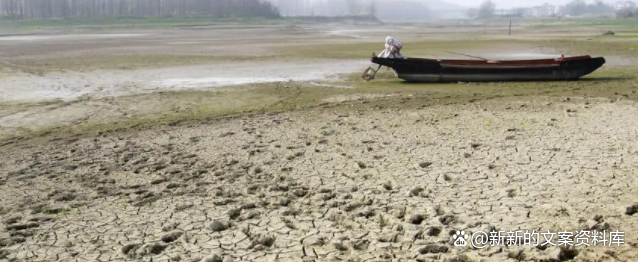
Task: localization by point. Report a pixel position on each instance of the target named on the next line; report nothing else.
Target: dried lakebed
(69, 86)
(327, 184)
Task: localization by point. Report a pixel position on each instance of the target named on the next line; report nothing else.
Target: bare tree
(576, 7)
(373, 8)
(627, 12)
(486, 10)
(52, 9)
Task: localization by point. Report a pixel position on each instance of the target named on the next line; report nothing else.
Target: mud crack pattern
(377, 185)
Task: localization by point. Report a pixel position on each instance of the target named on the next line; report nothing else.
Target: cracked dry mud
(326, 184)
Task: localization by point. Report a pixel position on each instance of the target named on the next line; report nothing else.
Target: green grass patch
(359, 51)
(627, 31)
(584, 22)
(180, 107)
(192, 107)
(631, 47)
(8, 108)
(119, 62)
(364, 50)
(594, 46)
(623, 36)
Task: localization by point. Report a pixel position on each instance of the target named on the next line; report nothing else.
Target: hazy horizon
(505, 4)
(512, 4)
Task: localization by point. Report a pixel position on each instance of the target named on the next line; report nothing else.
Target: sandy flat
(104, 83)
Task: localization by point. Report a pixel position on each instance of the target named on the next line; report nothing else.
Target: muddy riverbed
(261, 144)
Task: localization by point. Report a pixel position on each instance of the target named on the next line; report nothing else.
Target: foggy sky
(517, 3)
(511, 4)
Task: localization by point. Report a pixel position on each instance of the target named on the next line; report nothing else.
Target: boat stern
(578, 68)
(594, 64)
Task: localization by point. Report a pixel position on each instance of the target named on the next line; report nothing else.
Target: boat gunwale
(496, 63)
(502, 66)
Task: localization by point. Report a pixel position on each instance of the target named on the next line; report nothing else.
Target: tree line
(627, 12)
(574, 8)
(382, 9)
(580, 7)
(320, 8)
(53, 9)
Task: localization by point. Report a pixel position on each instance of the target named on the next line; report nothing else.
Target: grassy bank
(89, 63)
(354, 51)
(599, 46)
(193, 107)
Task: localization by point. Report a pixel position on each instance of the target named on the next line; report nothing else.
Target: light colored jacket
(392, 48)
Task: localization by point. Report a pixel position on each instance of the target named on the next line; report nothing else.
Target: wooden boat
(436, 70)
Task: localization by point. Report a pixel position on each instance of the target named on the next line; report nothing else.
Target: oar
(366, 76)
(468, 55)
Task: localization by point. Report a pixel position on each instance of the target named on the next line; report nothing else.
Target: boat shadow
(601, 79)
(588, 79)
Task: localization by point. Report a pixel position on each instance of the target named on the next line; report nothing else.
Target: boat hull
(430, 70)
